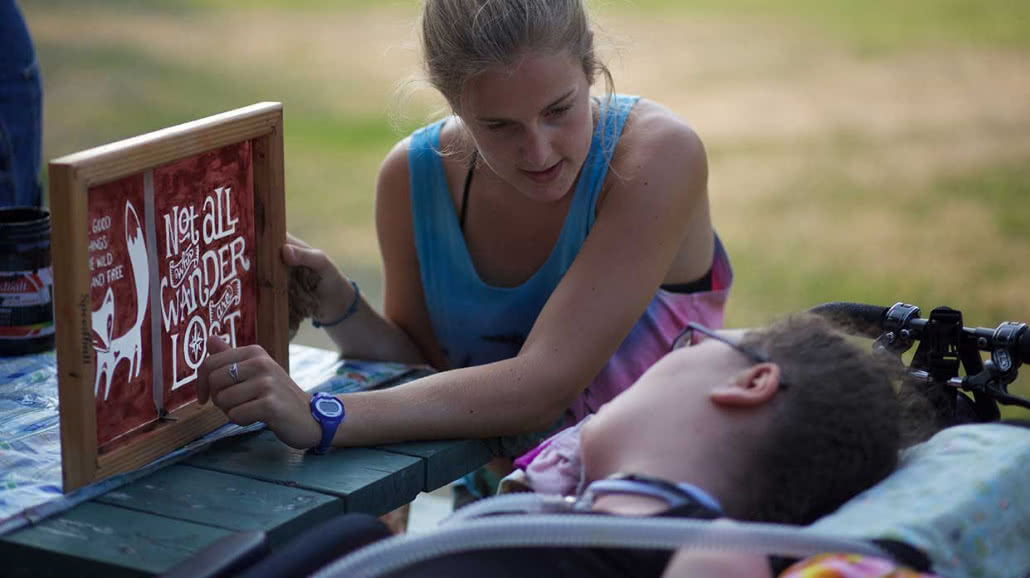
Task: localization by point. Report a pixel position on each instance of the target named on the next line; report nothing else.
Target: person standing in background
(21, 112)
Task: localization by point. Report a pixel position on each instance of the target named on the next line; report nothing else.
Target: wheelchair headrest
(962, 497)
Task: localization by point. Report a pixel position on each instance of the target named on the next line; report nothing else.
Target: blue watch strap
(327, 440)
(328, 411)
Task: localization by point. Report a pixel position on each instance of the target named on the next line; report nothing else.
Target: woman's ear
(749, 388)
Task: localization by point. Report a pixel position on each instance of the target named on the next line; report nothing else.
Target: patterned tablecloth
(30, 441)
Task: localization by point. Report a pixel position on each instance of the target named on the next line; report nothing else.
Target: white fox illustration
(129, 345)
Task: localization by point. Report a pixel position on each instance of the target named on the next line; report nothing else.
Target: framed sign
(160, 242)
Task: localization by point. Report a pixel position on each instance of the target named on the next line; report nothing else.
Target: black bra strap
(696, 286)
(465, 192)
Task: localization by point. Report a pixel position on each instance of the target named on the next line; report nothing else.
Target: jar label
(25, 303)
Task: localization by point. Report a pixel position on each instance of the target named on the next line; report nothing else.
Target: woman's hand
(258, 390)
(366, 334)
(333, 292)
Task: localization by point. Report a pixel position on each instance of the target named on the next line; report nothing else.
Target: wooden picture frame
(176, 158)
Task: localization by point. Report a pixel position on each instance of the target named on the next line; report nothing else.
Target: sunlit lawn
(872, 151)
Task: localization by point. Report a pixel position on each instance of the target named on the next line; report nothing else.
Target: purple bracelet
(350, 310)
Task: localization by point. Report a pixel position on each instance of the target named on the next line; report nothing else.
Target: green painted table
(249, 482)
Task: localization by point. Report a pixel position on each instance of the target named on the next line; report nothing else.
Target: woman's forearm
(508, 397)
(368, 335)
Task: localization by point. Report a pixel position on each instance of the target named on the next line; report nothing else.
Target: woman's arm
(655, 204)
(362, 335)
(366, 334)
(404, 302)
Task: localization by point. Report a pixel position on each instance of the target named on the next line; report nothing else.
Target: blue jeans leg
(21, 112)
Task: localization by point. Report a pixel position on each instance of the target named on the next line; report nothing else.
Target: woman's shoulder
(652, 127)
(395, 163)
(656, 138)
(422, 152)
(432, 139)
(443, 139)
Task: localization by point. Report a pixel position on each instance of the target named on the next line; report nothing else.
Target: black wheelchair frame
(945, 346)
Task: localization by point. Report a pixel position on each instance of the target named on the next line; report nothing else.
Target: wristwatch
(328, 412)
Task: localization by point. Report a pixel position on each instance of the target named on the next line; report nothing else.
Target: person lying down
(783, 424)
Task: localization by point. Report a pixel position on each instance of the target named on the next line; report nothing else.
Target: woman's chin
(547, 193)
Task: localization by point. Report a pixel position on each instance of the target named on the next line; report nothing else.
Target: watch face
(329, 407)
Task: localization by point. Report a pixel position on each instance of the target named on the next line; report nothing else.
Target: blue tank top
(473, 321)
(477, 323)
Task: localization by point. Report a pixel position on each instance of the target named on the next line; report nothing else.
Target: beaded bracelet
(350, 310)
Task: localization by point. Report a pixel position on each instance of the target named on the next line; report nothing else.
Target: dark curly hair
(835, 430)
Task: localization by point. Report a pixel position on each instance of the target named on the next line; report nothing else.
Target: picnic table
(249, 482)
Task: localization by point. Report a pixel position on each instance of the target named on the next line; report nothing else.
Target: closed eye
(559, 110)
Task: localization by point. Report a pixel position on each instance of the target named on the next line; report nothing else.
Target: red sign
(206, 259)
(120, 294)
(172, 259)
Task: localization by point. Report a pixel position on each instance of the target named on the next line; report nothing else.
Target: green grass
(335, 135)
(782, 268)
(1006, 189)
(875, 26)
(299, 4)
(867, 26)
(127, 93)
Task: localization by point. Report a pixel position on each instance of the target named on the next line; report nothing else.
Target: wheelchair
(961, 497)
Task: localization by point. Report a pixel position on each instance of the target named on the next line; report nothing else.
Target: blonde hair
(463, 38)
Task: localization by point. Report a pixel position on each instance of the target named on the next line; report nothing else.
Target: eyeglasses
(686, 338)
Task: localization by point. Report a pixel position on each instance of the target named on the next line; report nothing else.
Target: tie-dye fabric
(849, 566)
(653, 334)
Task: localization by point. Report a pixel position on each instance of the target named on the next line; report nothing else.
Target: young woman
(542, 247)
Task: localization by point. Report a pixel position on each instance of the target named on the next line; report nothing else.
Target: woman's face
(532, 122)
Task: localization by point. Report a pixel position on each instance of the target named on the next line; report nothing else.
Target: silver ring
(234, 373)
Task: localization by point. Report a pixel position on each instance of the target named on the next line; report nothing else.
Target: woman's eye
(559, 110)
(496, 125)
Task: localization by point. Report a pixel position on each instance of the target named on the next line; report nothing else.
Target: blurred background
(863, 150)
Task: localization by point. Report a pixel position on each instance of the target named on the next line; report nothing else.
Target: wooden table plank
(100, 540)
(226, 501)
(370, 481)
(445, 460)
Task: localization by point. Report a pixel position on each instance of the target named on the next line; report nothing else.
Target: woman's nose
(537, 148)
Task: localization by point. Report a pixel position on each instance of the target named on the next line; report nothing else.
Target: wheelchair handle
(872, 320)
